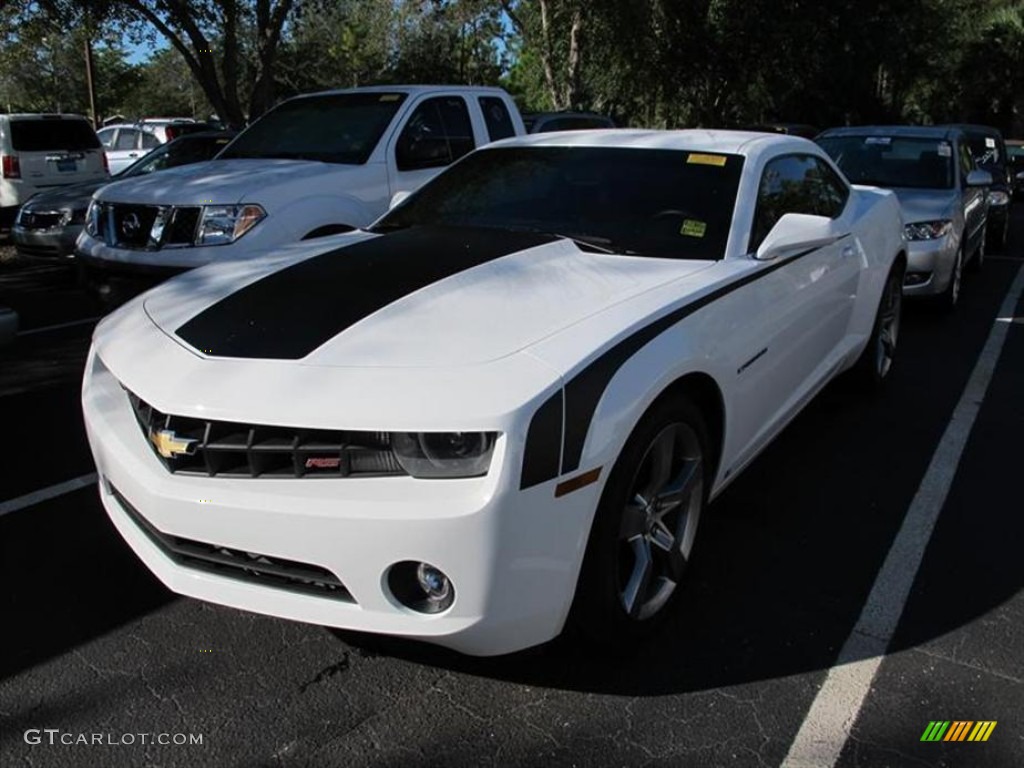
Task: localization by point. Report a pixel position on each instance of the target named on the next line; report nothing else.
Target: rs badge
(169, 445)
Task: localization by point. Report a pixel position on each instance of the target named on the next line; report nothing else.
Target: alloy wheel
(659, 521)
(889, 327)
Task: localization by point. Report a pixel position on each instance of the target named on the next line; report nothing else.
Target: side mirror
(796, 232)
(398, 198)
(979, 178)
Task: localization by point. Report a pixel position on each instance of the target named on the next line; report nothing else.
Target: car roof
(975, 128)
(909, 131)
(726, 142)
(44, 115)
(412, 90)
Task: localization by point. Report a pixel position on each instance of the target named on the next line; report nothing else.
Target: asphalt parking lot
(785, 563)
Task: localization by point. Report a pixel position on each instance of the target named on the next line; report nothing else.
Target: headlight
(73, 216)
(998, 197)
(92, 218)
(928, 230)
(223, 224)
(444, 454)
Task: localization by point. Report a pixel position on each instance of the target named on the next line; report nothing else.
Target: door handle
(133, 154)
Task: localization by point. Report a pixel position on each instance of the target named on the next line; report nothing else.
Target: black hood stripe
(581, 394)
(290, 313)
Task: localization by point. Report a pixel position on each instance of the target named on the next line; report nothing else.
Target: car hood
(428, 297)
(926, 204)
(72, 196)
(219, 181)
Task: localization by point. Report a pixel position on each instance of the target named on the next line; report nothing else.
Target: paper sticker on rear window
(945, 150)
(990, 143)
(878, 140)
(696, 159)
(693, 228)
(389, 97)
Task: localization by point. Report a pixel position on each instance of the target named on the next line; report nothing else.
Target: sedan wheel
(951, 296)
(644, 528)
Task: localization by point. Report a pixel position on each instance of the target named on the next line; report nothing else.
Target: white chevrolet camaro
(502, 410)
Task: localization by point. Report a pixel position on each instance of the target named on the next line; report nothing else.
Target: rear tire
(644, 527)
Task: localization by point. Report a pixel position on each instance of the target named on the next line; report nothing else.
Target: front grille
(250, 567)
(40, 220)
(181, 230)
(130, 225)
(233, 449)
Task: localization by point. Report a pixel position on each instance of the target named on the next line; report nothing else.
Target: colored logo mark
(958, 730)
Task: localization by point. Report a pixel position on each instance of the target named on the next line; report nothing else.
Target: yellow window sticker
(389, 97)
(696, 159)
(693, 228)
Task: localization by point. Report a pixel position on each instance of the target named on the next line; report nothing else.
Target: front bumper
(47, 243)
(513, 556)
(115, 259)
(929, 266)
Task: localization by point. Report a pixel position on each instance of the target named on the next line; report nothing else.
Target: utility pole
(89, 81)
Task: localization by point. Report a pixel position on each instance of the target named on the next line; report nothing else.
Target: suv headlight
(444, 454)
(92, 218)
(223, 224)
(928, 230)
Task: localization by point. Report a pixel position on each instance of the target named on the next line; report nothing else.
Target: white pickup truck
(312, 166)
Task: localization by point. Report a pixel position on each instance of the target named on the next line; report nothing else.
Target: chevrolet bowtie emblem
(170, 445)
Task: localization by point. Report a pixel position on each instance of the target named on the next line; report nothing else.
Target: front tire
(644, 527)
(950, 297)
(875, 362)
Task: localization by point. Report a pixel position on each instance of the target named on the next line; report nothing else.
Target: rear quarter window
(44, 135)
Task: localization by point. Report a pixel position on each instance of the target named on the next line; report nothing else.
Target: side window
(149, 141)
(106, 136)
(497, 118)
(787, 186)
(438, 133)
(829, 190)
(126, 138)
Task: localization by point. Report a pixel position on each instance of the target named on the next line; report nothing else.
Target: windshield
(183, 151)
(652, 202)
(332, 128)
(891, 161)
(47, 134)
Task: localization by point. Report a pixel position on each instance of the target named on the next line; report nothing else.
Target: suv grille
(129, 226)
(235, 564)
(232, 449)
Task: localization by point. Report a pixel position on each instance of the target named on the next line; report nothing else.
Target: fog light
(421, 587)
(917, 278)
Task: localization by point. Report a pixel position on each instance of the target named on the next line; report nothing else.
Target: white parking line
(45, 494)
(831, 717)
(58, 326)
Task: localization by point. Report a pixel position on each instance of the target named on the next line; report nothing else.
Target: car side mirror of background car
(796, 232)
(979, 178)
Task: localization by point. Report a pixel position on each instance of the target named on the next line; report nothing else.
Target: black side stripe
(584, 390)
(543, 451)
(288, 314)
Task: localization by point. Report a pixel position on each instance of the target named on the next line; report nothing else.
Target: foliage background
(654, 63)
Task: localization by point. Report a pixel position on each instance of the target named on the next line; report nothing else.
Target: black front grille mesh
(182, 227)
(40, 220)
(232, 449)
(251, 567)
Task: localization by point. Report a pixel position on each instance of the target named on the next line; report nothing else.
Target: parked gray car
(942, 195)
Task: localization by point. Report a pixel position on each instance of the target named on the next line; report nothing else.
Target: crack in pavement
(328, 672)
